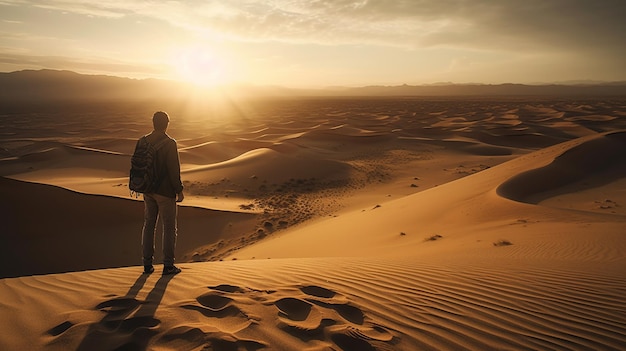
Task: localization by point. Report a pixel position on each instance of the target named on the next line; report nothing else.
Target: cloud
(84, 7)
(506, 25)
(557, 24)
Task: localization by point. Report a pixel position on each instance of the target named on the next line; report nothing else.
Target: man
(162, 202)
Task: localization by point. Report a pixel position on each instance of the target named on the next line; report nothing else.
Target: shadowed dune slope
(48, 230)
(602, 154)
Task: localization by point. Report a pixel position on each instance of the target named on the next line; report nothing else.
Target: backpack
(143, 172)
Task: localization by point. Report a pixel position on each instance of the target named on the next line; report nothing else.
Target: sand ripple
(359, 304)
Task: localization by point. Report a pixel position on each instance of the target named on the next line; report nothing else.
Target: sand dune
(467, 212)
(341, 224)
(317, 304)
(600, 155)
(268, 164)
(55, 230)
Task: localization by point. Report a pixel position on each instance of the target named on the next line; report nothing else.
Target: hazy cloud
(431, 35)
(481, 24)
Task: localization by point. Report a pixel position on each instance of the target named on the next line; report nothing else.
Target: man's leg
(151, 214)
(168, 211)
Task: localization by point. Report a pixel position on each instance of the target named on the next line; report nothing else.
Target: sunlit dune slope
(470, 215)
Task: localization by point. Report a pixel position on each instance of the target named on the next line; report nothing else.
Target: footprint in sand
(322, 312)
(214, 305)
(60, 329)
(125, 322)
(118, 306)
(214, 302)
(117, 315)
(349, 342)
(294, 309)
(311, 314)
(227, 288)
(318, 291)
(219, 331)
(190, 338)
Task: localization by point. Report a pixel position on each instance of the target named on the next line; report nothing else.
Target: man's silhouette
(162, 202)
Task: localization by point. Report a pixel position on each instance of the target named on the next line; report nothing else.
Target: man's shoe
(171, 270)
(148, 269)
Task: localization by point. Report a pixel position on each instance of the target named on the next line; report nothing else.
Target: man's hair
(160, 120)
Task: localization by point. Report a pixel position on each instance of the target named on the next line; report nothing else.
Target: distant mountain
(52, 85)
(42, 86)
(605, 89)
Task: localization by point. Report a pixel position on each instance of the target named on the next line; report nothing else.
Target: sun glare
(201, 66)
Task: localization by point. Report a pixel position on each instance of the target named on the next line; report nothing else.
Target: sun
(201, 66)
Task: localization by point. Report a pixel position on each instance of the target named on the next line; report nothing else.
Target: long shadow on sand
(128, 324)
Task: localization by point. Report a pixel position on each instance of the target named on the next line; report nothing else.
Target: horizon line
(572, 82)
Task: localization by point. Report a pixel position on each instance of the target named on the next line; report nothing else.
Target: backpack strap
(159, 144)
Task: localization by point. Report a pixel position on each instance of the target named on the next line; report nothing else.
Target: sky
(320, 43)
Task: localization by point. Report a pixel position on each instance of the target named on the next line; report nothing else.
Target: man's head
(160, 120)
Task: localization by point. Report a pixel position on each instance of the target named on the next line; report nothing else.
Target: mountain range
(53, 85)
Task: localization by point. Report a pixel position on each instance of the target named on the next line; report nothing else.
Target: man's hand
(180, 197)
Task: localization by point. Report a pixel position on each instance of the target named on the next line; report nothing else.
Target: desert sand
(323, 224)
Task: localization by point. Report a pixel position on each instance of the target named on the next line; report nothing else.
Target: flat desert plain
(322, 224)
